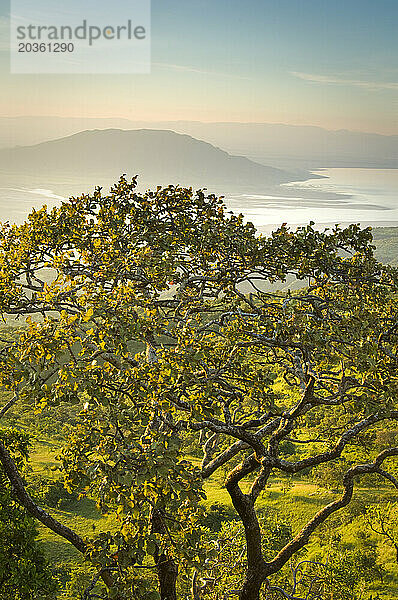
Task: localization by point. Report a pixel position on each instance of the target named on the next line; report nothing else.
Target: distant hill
(283, 146)
(158, 156)
(294, 146)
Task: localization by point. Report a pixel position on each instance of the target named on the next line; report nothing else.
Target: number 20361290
(46, 47)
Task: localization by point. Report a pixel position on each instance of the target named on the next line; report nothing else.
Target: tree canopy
(175, 324)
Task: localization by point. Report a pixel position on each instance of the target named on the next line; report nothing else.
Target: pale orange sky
(333, 65)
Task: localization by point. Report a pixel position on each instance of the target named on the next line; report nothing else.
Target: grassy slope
(297, 505)
(82, 516)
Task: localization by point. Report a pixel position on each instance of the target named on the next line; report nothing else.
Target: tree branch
(313, 461)
(39, 513)
(303, 536)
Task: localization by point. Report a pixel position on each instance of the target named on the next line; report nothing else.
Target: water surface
(366, 196)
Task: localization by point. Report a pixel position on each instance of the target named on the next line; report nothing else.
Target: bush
(216, 515)
(52, 492)
(330, 475)
(79, 578)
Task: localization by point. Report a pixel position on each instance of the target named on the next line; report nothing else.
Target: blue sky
(333, 64)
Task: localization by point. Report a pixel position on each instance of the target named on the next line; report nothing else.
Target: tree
(383, 520)
(24, 572)
(166, 318)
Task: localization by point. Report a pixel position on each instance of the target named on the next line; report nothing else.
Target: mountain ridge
(157, 156)
(277, 144)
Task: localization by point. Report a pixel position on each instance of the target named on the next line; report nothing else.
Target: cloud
(331, 80)
(188, 69)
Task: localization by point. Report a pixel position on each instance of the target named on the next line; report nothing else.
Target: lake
(366, 196)
(17, 202)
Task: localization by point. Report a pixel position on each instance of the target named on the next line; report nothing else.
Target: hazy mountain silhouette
(278, 145)
(158, 157)
(293, 146)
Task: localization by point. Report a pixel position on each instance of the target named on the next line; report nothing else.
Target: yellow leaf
(88, 314)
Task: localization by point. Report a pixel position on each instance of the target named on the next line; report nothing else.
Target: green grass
(299, 504)
(81, 516)
(296, 505)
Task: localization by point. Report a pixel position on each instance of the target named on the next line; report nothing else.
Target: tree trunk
(167, 574)
(244, 505)
(255, 564)
(165, 565)
(252, 585)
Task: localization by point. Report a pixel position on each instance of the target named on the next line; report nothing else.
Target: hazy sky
(321, 62)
